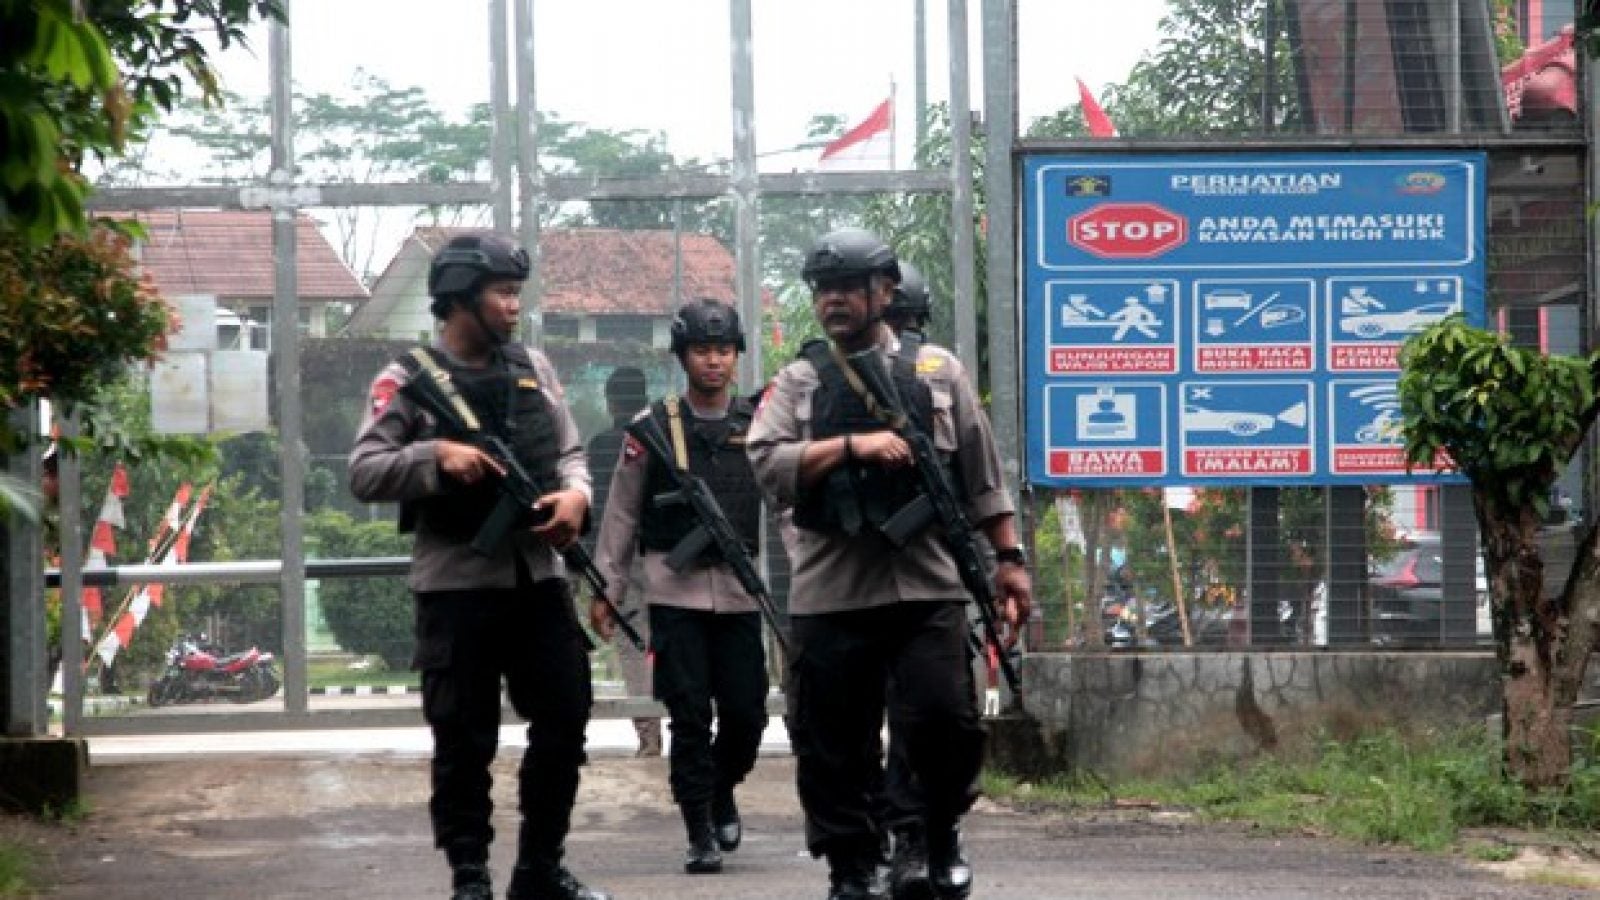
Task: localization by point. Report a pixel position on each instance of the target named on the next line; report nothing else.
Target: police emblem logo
(1089, 186)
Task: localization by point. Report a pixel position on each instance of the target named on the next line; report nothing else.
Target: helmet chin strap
(494, 336)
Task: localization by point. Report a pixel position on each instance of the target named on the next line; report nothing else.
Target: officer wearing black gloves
(481, 618)
(873, 624)
(704, 628)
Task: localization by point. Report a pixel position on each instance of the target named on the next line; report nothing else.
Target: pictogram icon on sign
(1127, 230)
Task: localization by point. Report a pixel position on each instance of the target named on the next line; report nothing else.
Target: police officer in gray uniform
(626, 394)
(483, 618)
(873, 624)
(704, 628)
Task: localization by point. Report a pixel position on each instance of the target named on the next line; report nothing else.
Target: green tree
(1207, 75)
(367, 615)
(78, 76)
(1511, 419)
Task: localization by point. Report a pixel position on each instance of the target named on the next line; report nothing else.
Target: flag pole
(892, 163)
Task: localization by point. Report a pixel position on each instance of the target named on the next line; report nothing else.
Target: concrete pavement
(343, 815)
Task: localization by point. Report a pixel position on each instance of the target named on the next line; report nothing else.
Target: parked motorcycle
(197, 670)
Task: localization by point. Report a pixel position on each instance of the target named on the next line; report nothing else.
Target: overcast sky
(664, 66)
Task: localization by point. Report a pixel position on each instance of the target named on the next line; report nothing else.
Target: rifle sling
(680, 448)
(893, 418)
(441, 380)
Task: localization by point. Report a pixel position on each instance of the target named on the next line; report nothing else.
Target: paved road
(310, 821)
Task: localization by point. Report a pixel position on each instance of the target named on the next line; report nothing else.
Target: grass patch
(1492, 852)
(321, 673)
(15, 871)
(1414, 790)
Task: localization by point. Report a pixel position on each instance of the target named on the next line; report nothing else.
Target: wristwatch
(1014, 555)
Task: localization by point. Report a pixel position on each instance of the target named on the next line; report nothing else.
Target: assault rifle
(712, 528)
(937, 503)
(519, 491)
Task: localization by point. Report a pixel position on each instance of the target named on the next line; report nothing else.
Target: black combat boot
(908, 866)
(948, 868)
(549, 880)
(703, 856)
(852, 875)
(725, 815)
(470, 881)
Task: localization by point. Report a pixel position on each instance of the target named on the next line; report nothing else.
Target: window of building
(562, 327)
(639, 329)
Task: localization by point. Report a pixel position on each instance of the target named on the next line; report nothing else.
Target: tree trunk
(1543, 643)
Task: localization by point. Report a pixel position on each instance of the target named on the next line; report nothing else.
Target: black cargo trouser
(847, 665)
(466, 642)
(709, 667)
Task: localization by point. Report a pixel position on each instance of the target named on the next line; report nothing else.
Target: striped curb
(367, 690)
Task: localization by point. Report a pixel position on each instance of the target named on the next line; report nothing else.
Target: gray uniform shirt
(391, 462)
(833, 573)
(712, 588)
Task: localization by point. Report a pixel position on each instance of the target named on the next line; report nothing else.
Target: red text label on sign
(1107, 463)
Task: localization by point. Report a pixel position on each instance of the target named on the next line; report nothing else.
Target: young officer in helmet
(705, 629)
(872, 625)
(481, 619)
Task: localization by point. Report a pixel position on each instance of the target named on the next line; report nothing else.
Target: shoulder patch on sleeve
(383, 390)
(632, 450)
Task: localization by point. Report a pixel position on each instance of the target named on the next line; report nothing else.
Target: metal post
(530, 181)
(1452, 71)
(1346, 531)
(1351, 30)
(69, 502)
(26, 714)
(1269, 64)
(677, 254)
(1591, 311)
(1457, 623)
(500, 169)
(286, 350)
(746, 192)
(920, 88)
(1000, 112)
(961, 249)
(1265, 570)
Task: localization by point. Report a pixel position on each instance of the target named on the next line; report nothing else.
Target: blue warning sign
(1236, 317)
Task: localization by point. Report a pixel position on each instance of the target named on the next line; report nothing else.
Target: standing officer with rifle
(684, 498)
(881, 578)
(472, 438)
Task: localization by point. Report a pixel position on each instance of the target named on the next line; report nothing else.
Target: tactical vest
(716, 455)
(859, 496)
(508, 402)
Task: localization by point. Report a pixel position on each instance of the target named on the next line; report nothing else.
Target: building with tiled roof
(599, 284)
(228, 254)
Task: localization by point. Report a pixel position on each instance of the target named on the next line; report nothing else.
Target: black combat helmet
(706, 321)
(911, 295)
(626, 383)
(849, 253)
(469, 260)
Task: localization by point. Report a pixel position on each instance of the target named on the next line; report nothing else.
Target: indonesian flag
(1093, 115)
(864, 147)
(131, 614)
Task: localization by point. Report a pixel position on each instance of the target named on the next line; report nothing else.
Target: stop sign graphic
(1127, 230)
